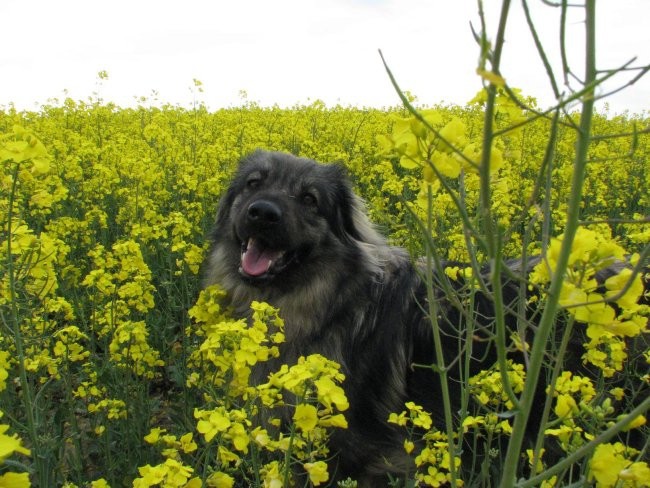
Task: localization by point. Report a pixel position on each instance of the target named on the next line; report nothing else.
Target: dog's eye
(254, 181)
(308, 199)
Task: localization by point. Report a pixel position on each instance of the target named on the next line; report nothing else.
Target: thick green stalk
(573, 219)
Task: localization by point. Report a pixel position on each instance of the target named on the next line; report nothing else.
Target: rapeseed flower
(212, 422)
(305, 417)
(317, 472)
(15, 480)
(10, 444)
(220, 480)
(610, 465)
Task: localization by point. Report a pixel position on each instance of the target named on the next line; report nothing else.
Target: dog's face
(283, 213)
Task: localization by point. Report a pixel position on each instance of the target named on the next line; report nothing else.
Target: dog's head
(283, 213)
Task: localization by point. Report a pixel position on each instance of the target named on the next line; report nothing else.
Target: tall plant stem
(487, 224)
(443, 368)
(572, 222)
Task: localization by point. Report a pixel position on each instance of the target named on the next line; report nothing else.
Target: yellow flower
(565, 406)
(434, 477)
(100, 483)
(220, 480)
(212, 422)
(10, 444)
(338, 421)
(607, 352)
(629, 299)
(20, 480)
(617, 393)
(154, 435)
(635, 423)
(606, 464)
(177, 473)
(453, 134)
(419, 417)
(487, 386)
(446, 164)
(569, 436)
(505, 427)
(187, 443)
(638, 473)
(530, 453)
(273, 475)
(400, 419)
(317, 472)
(226, 456)
(149, 476)
(239, 437)
(473, 151)
(452, 272)
(305, 417)
(471, 422)
(194, 483)
(329, 393)
(409, 446)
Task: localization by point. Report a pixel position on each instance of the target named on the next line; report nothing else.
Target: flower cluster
(302, 402)
(433, 458)
(229, 348)
(610, 314)
(121, 288)
(171, 473)
(488, 389)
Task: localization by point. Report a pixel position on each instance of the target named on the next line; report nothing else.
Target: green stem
(440, 357)
(573, 218)
(488, 226)
(539, 443)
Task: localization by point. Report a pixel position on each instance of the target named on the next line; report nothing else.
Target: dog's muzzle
(260, 259)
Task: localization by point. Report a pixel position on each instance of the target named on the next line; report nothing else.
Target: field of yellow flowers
(117, 370)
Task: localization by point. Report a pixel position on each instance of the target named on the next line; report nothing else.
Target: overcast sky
(291, 51)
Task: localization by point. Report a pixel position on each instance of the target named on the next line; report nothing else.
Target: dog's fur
(291, 232)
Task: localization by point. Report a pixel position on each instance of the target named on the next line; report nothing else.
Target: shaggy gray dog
(291, 232)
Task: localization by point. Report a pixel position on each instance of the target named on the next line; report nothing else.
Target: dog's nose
(264, 212)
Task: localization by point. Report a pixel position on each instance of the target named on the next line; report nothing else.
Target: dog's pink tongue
(256, 260)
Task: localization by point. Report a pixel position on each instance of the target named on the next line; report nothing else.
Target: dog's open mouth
(260, 261)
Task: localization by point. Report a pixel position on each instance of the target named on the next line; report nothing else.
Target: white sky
(290, 51)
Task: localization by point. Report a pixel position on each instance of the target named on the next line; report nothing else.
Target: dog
(291, 232)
